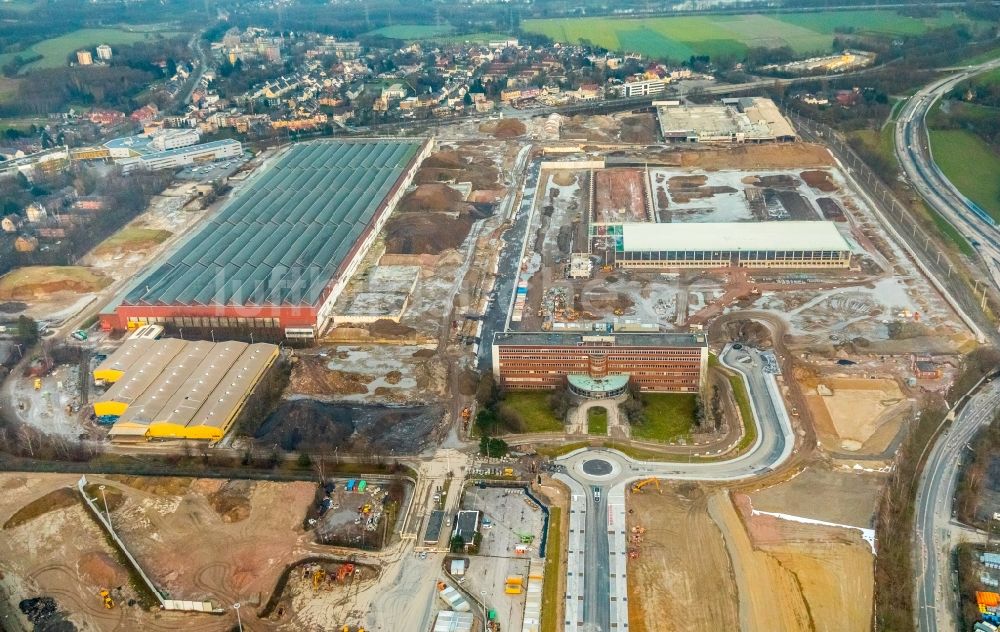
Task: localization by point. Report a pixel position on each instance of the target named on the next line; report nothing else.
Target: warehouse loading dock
(180, 390)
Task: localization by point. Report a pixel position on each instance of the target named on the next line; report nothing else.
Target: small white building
(642, 88)
(104, 52)
(35, 213)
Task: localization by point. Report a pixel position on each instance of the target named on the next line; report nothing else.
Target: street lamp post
(105, 499)
(239, 621)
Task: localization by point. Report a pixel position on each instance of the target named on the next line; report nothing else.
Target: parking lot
(511, 531)
(211, 170)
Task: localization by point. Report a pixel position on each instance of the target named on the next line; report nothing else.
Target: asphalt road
(913, 151)
(605, 537)
(936, 534)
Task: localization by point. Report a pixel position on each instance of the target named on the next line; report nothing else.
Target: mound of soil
(393, 377)
(749, 332)
(58, 499)
(232, 501)
(431, 197)
(819, 180)
(155, 485)
(640, 129)
(444, 160)
(424, 353)
(310, 376)
(509, 128)
(101, 570)
(44, 613)
(12, 307)
(353, 428)
(780, 181)
(385, 328)
(420, 234)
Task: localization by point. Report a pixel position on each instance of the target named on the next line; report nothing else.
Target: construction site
(259, 548)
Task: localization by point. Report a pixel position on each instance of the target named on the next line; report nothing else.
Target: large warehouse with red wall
(278, 255)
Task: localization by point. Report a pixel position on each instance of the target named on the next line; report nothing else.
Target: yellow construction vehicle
(318, 575)
(636, 487)
(109, 603)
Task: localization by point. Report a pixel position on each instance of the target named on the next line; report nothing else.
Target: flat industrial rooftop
(281, 240)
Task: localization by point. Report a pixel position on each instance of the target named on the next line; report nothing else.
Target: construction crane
(109, 603)
(638, 486)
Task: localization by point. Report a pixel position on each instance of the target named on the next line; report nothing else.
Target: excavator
(109, 603)
(344, 571)
(317, 578)
(636, 487)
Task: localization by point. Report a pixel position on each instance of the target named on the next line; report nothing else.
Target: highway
(915, 157)
(604, 543)
(936, 533)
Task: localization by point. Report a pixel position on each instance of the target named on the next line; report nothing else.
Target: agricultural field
(678, 38)
(971, 165)
(55, 50)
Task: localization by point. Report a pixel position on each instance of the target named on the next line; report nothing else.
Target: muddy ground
(354, 428)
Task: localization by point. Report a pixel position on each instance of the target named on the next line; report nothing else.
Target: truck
(38, 383)
(597, 494)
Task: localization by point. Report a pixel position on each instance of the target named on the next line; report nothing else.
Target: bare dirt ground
(778, 156)
(848, 497)
(856, 415)
(370, 373)
(620, 196)
(683, 579)
(504, 128)
(63, 554)
(236, 554)
(305, 605)
(794, 576)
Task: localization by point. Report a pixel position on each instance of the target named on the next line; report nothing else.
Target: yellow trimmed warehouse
(183, 390)
(114, 367)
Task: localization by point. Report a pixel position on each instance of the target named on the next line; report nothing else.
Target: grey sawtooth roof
(282, 240)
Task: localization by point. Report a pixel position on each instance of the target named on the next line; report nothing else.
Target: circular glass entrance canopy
(598, 387)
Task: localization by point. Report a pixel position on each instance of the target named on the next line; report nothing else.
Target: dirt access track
(198, 539)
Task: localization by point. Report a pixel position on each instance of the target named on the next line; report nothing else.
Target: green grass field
(412, 31)
(680, 37)
(980, 58)
(478, 38)
(669, 416)
(131, 239)
(971, 164)
(54, 51)
(550, 587)
(746, 412)
(597, 421)
(533, 407)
